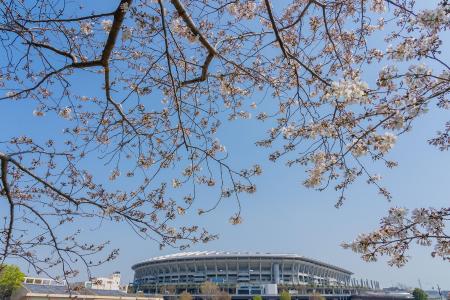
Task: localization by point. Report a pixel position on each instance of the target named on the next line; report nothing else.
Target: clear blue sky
(283, 216)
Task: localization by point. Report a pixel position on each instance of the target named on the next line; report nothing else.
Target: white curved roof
(217, 253)
(224, 254)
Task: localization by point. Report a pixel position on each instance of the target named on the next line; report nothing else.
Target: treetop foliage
(285, 295)
(11, 279)
(419, 294)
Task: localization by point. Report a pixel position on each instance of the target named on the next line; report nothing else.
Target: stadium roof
(225, 254)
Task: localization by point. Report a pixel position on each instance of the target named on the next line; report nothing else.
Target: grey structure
(49, 291)
(186, 271)
(64, 290)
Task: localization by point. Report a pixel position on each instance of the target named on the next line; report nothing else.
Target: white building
(111, 283)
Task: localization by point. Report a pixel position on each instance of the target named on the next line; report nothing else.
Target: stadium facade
(235, 272)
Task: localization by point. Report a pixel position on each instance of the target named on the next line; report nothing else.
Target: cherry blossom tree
(169, 73)
(399, 230)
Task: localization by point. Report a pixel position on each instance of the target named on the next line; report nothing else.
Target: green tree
(11, 279)
(285, 295)
(419, 294)
(257, 297)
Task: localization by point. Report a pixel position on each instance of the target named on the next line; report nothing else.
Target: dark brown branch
(114, 103)
(190, 23)
(327, 31)
(4, 157)
(53, 238)
(286, 53)
(275, 29)
(401, 7)
(204, 74)
(69, 19)
(196, 32)
(77, 65)
(7, 192)
(60, 52)
(299, 19)
(119, 16)
(169, 67)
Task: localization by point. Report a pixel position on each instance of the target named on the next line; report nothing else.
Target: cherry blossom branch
(196, 32)
(300, 16)
(62, 20)
(119, 17)
(397, 231)
(7, 158)
(7, 192)
(172, 80)
(286, 53)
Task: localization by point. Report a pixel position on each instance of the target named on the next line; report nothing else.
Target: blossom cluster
(413, 48)
(349, 91)
(178, 26)
(399, 229)
(243, 9)
(433, 18)
(378, 6)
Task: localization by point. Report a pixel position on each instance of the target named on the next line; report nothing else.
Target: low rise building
(105, 283)
(47, 291)
(41, 281)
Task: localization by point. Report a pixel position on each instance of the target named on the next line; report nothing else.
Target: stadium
(236, 272)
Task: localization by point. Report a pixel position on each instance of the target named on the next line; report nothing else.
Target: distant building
(62, 292)
(385, 294)
(105, 283)
(41, 281)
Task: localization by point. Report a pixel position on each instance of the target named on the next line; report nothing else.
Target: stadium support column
(260, 270)
(276, 273)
